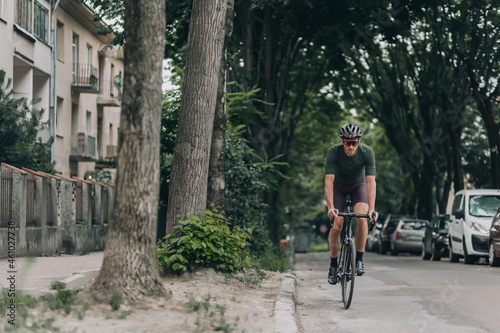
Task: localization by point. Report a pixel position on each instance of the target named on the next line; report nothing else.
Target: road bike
(347, 266)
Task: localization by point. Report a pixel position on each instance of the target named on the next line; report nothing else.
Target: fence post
(41, 211)
(19, 208)
(67, 195)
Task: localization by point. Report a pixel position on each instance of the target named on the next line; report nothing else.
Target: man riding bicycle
(350, 169)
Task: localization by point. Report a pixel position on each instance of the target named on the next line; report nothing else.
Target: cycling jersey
(349, 170)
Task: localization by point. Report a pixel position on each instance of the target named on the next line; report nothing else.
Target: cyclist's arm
(329, 190)
(371, 185)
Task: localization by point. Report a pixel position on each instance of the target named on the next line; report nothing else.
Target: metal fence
(30, 199)
(50, 218)
(6, 197)
(78, 203)
(104, 198)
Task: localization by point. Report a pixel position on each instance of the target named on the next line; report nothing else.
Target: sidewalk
(34, 275)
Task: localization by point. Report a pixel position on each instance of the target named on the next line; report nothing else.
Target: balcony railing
(85, 79)
(82, 147)
(109, 94)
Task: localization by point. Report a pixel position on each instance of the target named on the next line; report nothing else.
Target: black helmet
(350, 131)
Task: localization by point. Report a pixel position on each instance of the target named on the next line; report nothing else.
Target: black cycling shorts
(358, 192)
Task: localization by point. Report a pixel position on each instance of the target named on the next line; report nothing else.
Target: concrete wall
(65, 235)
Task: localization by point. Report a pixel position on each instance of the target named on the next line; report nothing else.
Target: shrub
(205, 242)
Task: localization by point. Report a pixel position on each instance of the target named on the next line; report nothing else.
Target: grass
(319, 244)
(272, 260)
(210, 316)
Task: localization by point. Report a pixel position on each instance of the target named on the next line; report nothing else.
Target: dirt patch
(202, 301)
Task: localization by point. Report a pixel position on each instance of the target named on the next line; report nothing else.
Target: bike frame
(347, 266)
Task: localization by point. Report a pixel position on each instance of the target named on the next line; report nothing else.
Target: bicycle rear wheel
(349, 274)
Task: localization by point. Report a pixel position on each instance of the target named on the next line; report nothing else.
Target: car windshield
(443, 223)
(412, 225)
(484, 205)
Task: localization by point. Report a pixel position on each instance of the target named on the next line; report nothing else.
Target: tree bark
(129, 264)
(189, 178)
(216, 175)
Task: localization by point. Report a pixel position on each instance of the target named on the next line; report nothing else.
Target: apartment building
(87, 81)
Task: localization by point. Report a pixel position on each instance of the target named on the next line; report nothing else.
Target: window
(456, 204)
(41, 22)
(89, 54)
(75, 55)
(60, 41)
(89, 122)
(58, 119)
(23, 11)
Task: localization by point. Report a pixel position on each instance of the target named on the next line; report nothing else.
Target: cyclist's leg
(334, 237)
(339, 203)
(361, 226)
(359, 198)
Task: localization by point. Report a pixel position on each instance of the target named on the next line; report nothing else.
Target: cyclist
(350, 169)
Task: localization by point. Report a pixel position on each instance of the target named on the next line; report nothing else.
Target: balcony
(82, 148)
(109, 94)
(85, 79)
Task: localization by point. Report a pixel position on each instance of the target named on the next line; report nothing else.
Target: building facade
(57, 39)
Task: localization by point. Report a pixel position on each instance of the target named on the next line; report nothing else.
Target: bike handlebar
(370, 227)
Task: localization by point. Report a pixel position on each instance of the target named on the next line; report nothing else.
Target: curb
(76, 281)
(285, 306)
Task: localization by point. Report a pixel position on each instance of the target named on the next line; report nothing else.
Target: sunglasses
(351, 143)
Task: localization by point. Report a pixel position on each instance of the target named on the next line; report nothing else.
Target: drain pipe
(52, 96)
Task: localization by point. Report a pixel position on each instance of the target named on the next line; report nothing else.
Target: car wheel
(436, 256)
(468, 259)
(382, 248)
(453, 257)
(394, 252)
(492, 258)
(426, 256)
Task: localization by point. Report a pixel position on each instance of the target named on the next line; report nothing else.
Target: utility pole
(53, 7)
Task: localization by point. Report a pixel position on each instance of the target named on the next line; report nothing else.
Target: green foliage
(245, 186)
(205, 242)
(272, 260)
(115, 301)
(63, 299)
(19, 126)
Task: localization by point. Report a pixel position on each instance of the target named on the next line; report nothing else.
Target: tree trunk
(216, 180)
(129, 264)
(189, 178)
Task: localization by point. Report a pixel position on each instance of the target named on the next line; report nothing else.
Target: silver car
(408, 236)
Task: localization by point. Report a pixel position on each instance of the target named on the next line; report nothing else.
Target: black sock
(359, 256)
(333, 262)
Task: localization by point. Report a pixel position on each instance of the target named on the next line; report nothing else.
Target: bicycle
(347, 266)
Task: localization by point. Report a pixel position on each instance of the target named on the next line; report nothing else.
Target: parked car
(372, 239)
(435, 243)
(408, 236)
(470, 223)
(384, 237)
(494, 241)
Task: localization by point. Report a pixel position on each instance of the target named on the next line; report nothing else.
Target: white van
(470, 223)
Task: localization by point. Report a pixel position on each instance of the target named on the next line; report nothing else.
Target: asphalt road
(399, 294)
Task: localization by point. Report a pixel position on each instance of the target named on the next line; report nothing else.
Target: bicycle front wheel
(348, 275)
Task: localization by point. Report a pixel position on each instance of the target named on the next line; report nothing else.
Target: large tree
(129, 264)
(475, 30)
(189, 178)
(216, 177)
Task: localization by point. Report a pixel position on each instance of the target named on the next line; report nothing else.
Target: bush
(244, 192)
(205, 242)
(272, 260)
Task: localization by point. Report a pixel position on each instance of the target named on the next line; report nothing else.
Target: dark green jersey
(349, 170)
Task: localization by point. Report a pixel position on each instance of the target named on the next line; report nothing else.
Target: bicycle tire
(349, 275)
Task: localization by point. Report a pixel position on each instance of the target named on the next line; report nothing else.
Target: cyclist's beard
(350, 151)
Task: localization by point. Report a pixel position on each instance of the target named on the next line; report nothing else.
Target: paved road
(35, 274)
(399, 294)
